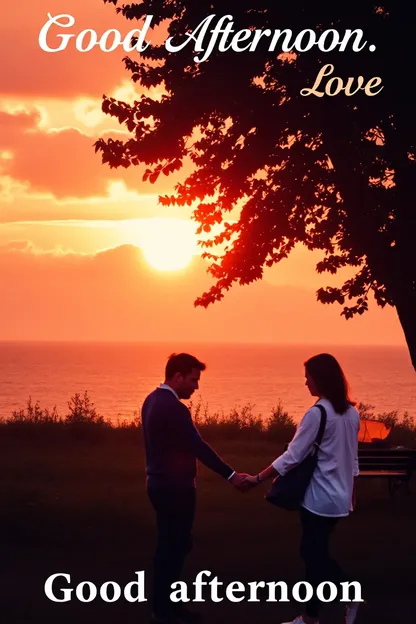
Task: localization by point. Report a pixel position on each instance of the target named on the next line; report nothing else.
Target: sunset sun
(168, 244)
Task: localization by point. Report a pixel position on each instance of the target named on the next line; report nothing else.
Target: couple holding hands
(173, 444)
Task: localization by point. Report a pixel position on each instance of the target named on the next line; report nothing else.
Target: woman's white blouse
(330, 490)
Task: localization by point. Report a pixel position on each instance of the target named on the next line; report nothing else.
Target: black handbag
(288, 491)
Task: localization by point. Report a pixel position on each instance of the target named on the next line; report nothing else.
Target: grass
(74, 501)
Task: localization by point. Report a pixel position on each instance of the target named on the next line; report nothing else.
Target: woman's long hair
(330, 381)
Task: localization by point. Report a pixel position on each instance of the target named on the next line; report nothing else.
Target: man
(173, 444)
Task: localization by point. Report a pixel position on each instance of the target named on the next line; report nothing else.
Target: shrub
(280, 426)
(240, 423)
(34, 414)
(82, 412)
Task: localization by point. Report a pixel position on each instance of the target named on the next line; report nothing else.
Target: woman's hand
(249, 482)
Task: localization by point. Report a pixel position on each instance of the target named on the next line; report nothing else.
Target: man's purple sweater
(173, 443)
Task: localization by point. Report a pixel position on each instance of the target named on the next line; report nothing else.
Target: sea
(118, 376)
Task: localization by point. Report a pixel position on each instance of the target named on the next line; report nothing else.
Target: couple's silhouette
(173, 445)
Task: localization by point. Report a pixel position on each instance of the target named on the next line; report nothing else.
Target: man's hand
(239, 480)
(249, 483)
(243, 481)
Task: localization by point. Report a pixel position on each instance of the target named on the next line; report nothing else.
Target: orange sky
(69, 226)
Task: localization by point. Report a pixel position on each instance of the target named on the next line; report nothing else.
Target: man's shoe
(298, 620)
(188, 617)
(351, 612)
(165, 619)
(181, 615)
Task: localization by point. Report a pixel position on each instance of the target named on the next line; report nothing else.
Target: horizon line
(193, 342)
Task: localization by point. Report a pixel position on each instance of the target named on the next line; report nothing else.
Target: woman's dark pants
(314, 550)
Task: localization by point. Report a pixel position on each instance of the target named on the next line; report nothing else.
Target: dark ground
(80, 508)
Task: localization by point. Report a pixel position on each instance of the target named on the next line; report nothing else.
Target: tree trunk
(405, 302)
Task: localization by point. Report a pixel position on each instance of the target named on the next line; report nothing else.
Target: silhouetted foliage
(82, 411)
(239, 423)
(333, 173)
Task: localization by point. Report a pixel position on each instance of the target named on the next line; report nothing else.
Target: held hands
(238, 479)
(243, 481)
(249, 483)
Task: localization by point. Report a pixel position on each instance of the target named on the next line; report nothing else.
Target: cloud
(29, 71)
(63, 163)
(17, 123)
(17, 206)
(114, 295)
(17, 245)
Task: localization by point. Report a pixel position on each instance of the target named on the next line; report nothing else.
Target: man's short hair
(182, 363)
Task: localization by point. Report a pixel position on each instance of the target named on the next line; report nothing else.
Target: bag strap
(322, 425)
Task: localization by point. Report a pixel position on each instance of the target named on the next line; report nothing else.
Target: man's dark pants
(175, 510)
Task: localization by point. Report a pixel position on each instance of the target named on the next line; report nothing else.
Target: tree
(333, 173)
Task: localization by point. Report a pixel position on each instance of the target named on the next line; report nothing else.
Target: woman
(330, 493)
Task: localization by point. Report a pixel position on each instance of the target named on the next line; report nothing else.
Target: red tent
(372, 430)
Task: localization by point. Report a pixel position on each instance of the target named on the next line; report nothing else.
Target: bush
(82, 412)
(239, 424)
(280, 426)
(34, 414)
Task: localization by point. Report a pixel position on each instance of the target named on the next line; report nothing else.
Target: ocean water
(119, 376)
